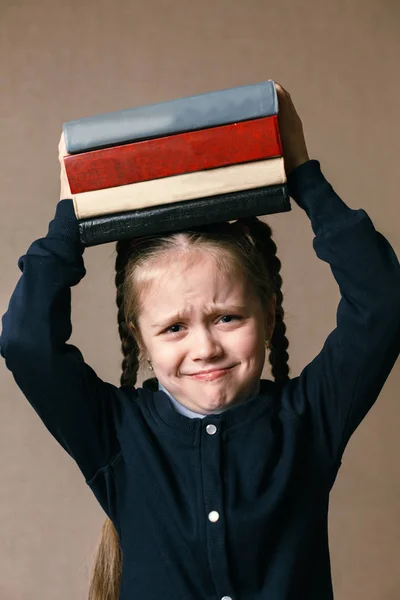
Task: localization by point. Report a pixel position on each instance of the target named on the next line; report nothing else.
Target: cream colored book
(179, 188)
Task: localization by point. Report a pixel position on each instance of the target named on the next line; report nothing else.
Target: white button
(226, 598)
(211, 429)
(213, 516)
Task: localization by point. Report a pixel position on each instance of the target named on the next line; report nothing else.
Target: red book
(242, 142)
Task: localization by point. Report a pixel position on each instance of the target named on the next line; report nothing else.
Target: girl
(215, 483)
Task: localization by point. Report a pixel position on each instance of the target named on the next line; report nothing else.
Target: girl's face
(204, 333)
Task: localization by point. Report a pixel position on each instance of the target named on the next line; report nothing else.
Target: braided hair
(129, 345)
(261, 233)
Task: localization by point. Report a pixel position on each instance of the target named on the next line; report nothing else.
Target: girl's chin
(212, 403)
(210, 408)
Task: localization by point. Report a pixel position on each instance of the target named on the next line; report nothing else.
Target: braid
(130, 349)
(261, 233)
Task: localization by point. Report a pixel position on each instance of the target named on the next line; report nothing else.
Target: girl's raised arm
(79, 409)
(337, 389)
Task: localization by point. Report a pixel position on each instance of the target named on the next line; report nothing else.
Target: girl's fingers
(285, 100)
(65, 191)
(281, 90)
(62, 150)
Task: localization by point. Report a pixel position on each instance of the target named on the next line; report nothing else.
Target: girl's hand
(291, 130)
(65, 190)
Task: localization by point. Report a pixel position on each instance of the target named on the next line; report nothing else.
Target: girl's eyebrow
(215, 308)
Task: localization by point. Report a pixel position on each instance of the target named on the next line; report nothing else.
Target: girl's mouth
(210, 375)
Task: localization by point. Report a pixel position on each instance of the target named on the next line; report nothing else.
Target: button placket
(213, 516)
(214, 502)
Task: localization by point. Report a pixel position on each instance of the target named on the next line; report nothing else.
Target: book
(174, 155)
(174, 116)
(183, 215)
(188, 186)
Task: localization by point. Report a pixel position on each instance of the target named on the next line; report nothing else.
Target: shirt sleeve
(338, 388)
(79, 409)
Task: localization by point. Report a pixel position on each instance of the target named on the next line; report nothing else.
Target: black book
(183, 215)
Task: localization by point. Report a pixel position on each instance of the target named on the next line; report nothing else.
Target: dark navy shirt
(233, 505)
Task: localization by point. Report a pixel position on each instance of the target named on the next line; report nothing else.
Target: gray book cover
(175, 116)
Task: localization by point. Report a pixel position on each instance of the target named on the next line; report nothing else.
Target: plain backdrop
(65, 60)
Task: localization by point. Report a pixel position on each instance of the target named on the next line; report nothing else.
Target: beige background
(64, 60)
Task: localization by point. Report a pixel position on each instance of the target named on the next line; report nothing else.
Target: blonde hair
(106, 578)
(246, 245)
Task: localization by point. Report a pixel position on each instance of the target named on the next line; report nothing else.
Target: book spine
(183, 215)
(174, 155)
(179, 188)
(175, 116)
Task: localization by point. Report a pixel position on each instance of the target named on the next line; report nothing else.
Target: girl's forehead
(178, 263)
(191, 273)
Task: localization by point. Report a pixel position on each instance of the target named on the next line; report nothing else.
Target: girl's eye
(231, 317)
(172, 329)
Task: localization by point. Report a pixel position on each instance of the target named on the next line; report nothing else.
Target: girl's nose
(205, 345)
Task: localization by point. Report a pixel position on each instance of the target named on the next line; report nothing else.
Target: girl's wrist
(292, 163)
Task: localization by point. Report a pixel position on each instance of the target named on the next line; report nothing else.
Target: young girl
(215, 483)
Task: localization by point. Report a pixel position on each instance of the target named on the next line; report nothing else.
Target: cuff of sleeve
(65, 224)
(312, 192)
(306, 180)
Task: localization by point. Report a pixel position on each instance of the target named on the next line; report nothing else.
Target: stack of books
(174, 165)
